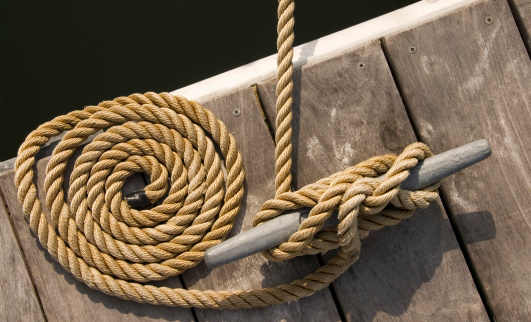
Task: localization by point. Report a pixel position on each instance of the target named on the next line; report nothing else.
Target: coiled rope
(113, 248)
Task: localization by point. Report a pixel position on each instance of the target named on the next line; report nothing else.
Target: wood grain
(467, 80)
(256, 146)
(18, 299)
(62, 296)
(347, 109)
(522, 14)
(470, 80)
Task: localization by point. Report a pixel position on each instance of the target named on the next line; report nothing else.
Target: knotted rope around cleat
(109, 246)
(363, 202)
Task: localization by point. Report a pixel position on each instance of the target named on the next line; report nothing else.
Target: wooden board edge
(474, 264)
(30, 306)
(522, 15)
(313, 51)
(323, 48)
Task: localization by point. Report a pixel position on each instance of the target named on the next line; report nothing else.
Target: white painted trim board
(323, 48)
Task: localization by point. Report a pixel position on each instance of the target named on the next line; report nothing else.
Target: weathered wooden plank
(18, 299)
(347, 109)
(62, 296)
(468, 80)
(256, 146)
(522, 15)
(56, 285)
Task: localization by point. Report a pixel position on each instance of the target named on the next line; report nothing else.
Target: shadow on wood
(345, 114)
(110, 302)
(381, 279)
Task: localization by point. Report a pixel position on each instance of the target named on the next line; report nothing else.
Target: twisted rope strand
(111, 247)
(284, 101)
(105, 262)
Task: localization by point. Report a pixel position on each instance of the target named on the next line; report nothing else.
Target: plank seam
(468, 259)
(526, 37)
(260, 105)
(271, 129)
(194, 314)
(333, 291)
(385, 51)
(26, 266)
(458, 236)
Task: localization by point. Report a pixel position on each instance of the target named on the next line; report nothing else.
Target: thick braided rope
(72, 236)
(358, 196)
(284, 101)
(111, 247)
(159, 134)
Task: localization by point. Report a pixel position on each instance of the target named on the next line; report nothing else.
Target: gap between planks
(320, 258)
(444, 203)
(475, 84)
(521, 11)
(20, 272)
(344, 105)
(410, 118)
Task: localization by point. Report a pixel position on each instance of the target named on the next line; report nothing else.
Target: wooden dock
(442, 72)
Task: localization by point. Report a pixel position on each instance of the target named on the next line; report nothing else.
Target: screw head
(361, 65)
(489, 20)
(236, 112)
(412, 49)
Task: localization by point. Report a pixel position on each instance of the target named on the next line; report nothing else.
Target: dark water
(57, 56)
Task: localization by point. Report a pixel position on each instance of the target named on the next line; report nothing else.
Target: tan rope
(111, 247)
(284, 100)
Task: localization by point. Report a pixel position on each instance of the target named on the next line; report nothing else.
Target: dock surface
(442, 72)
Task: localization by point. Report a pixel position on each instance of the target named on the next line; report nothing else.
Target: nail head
(412, 49)
(236, 112)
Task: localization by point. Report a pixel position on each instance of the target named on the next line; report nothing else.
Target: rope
(113, 248)
(284, 100)
(364, 203)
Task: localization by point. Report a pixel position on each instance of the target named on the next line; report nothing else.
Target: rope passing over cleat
(278, 230)
(112, 247)
(96, 235)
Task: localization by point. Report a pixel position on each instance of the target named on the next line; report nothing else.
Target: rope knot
(111, 247)
(364, 197)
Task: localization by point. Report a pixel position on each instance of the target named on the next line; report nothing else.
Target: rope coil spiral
(113, 248)
(159, 134)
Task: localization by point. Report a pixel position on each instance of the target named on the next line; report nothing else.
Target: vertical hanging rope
(284, 100)
(111, 247)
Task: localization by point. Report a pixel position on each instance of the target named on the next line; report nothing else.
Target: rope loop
(111, 247)
(95, 235)
(170, 139)
(361, 201)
